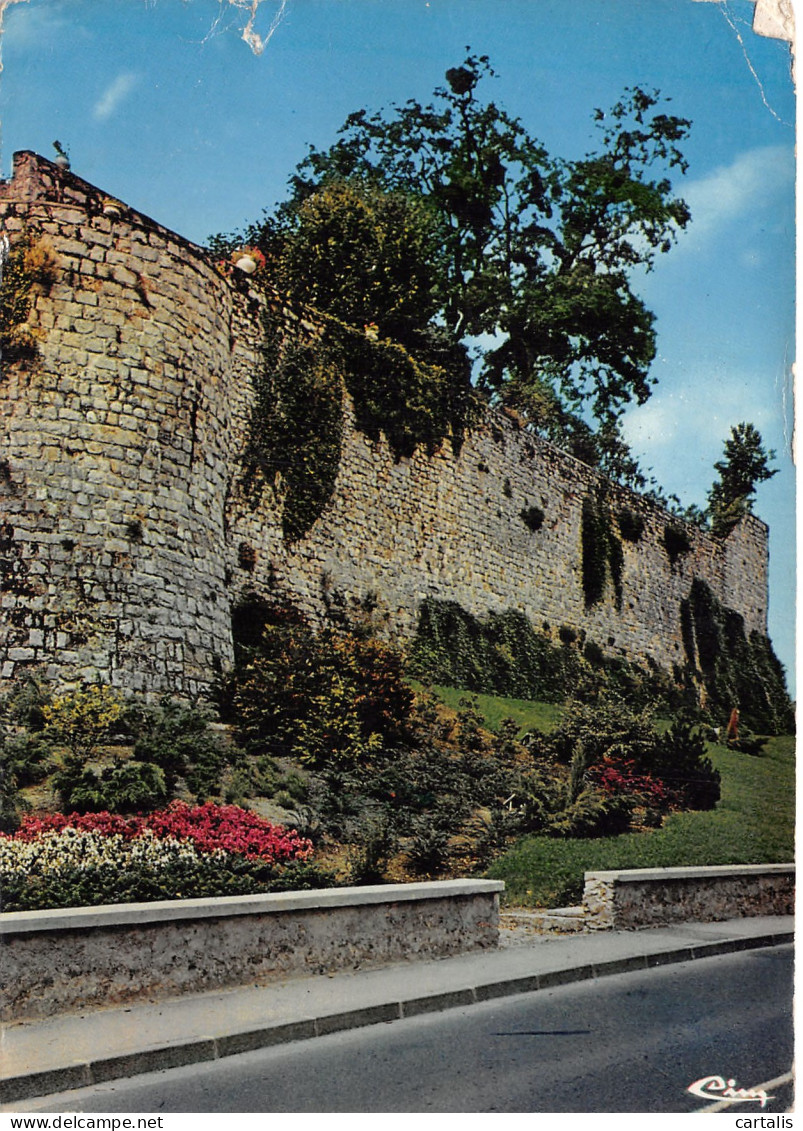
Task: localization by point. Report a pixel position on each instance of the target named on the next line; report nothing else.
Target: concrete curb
(207, 1048)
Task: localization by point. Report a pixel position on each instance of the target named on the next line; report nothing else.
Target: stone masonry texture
(46, 972)
(631, 900)
(126, 532)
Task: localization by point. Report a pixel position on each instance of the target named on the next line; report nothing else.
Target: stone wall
(656, 897)
(66, 961)
(118, 446)
(125, 530)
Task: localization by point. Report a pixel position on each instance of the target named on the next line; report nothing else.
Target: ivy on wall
(676, 543)
(504, 654)
(532, 517)
(631, 524)
(602, 556)
(30, 263)
(297, 422)
(296, 429)
(737, 670)
(412, 401)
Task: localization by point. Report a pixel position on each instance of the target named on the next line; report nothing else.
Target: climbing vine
(631, 524)
(676, 543)
(602, 554)
(504, 654)
(532, 517)
(296, 428)
(297, 419)
(412, 401)
(737, 669)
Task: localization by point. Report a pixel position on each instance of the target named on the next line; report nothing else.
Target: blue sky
(163, 104)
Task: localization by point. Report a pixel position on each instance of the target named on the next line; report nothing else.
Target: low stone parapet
(657, 897)
(87, 958)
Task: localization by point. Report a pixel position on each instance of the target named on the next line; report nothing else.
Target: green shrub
(293, 784)
(593, 813)
(676, 543)
(179, 739)
(26, 758)
(318, 697)
(23, 707)
(11, 803)
(123, 787)
(679, 758)
(376, 843)
(610, 734)
(427, 850)
(631, 524)
(532, 517)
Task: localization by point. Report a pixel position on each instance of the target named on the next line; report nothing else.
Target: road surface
(629, 1043)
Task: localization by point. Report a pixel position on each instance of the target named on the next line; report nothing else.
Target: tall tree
(535, 254)
(744, 465)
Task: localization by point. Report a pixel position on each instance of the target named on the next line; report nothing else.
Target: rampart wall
(125, 531)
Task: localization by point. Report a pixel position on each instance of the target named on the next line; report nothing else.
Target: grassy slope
(495, 708)
(753, 823)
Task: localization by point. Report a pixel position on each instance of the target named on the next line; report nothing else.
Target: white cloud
(31, 27)
(733, 191)
(680, 433)
(704, 407)
(113, 95)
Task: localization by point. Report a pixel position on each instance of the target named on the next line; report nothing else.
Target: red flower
(208, 827)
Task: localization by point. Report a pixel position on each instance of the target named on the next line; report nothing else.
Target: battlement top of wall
(37, 181)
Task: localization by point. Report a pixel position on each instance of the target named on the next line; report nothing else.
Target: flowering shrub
(59, 851)
(614, 776)
(181, 852)
(82, 719)
(208, 828)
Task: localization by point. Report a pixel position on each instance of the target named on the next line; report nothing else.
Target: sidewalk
(76, 1050)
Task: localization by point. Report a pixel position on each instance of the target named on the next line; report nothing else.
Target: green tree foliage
(365, 255)
(534, 250)
(744, 465)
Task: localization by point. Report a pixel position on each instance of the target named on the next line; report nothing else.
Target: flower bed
(180, 852)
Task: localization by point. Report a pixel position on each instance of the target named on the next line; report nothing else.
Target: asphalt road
(628, 1043)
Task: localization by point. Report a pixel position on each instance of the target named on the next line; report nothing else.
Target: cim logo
(726, 1091)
